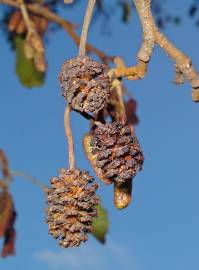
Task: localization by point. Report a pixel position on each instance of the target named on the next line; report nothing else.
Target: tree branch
(183, 62)
(144, 11)
(146, 49)
(151, 34)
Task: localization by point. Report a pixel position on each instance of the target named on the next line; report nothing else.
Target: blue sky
(159, 230)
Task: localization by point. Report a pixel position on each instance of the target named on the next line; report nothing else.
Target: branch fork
(151, 36)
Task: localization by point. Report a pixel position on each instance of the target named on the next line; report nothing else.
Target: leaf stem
(84, 33)
(26, 17)
(69, 136)
(30, 179)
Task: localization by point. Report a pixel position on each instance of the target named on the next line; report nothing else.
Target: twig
(132, 73)
(144, 54)
(182, 61)
(84, 33)
(116, 85)
(30, 178)
(28, 22)
(69, 136)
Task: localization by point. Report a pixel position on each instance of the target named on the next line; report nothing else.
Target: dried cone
(85, 84)
(117, 151)
(71, 207)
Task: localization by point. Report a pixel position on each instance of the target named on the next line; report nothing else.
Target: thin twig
(69, 136)
(26, 17)
(87, 20)
(30, 179)
(183, 62)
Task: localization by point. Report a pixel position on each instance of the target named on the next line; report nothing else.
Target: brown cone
(117, 151)
(85, 84)
(71, 207)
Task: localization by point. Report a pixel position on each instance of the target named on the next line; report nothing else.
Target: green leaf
(100, 224)
(25, 69)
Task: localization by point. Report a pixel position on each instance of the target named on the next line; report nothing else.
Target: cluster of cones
(111, 147)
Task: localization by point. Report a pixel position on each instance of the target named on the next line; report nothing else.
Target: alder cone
(71, 207)
(117, 151)
(85, 84)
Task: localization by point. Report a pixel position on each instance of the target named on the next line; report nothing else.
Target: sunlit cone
(93, 159)
(85, 84)
(71, 207)
(117, 151)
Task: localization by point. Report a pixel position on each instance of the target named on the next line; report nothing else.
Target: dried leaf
(9, 243)
(36, 42)
(126, 11)
(4, 165)
(7, 220)
(14, 21)
(6, 208)
(131, 106)
(28, 50)
(40, 62)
